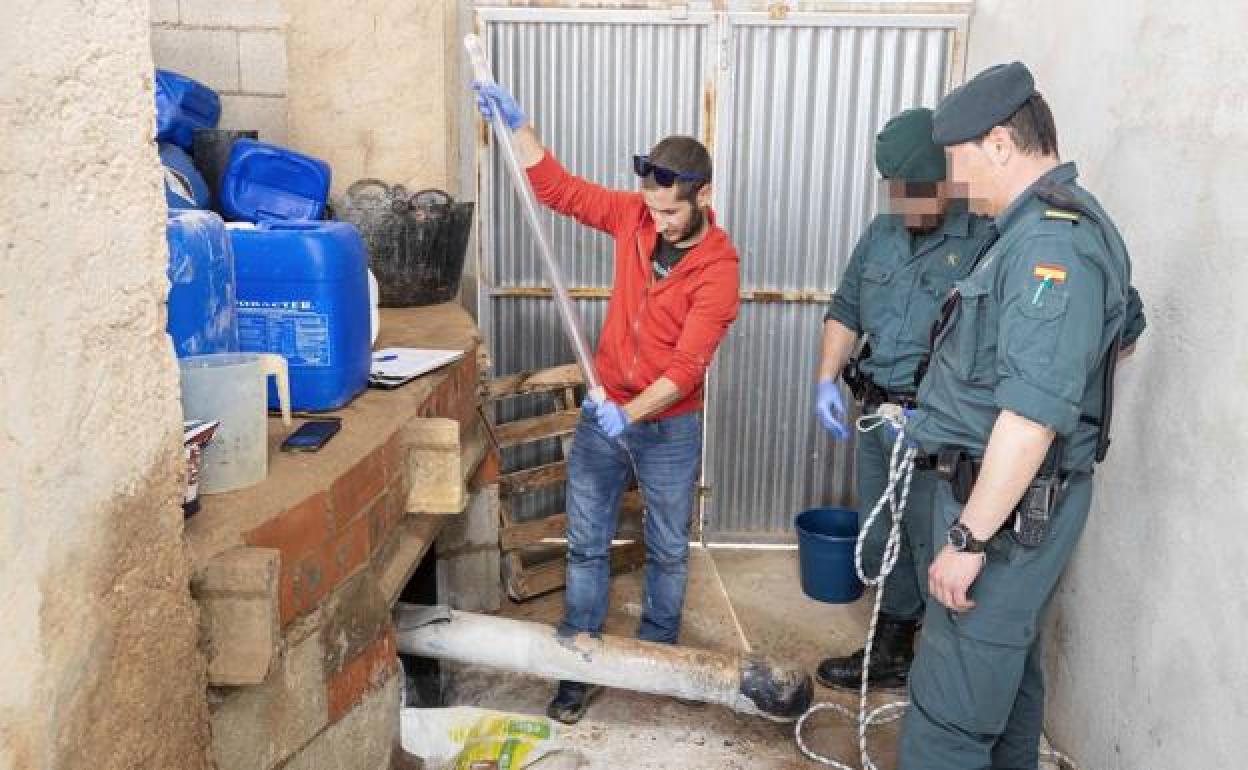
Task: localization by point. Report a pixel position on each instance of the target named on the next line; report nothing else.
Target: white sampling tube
(520, 180)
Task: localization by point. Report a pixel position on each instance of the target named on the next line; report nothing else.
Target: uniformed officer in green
(1012, 412)
(899, 273)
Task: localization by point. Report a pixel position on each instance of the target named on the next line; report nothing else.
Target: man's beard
(695, 224)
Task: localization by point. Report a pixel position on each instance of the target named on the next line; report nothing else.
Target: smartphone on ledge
(312, 435)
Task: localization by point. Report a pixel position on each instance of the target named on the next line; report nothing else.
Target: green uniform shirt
(894, 284)
(1032, 327)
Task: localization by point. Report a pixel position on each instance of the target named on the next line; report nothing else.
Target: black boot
(571, 701)
(891, 656)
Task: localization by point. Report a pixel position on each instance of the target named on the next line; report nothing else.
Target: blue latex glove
(830, 407)
(492, 96)
(609, 415)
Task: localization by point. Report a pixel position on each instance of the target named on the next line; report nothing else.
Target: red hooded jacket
(668, 328)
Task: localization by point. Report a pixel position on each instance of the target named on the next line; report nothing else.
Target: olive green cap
(904, 148)
(986, 100)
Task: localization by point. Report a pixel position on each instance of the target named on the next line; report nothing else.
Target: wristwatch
(963, 541)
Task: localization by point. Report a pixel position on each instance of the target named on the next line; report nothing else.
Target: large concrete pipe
(745, 683)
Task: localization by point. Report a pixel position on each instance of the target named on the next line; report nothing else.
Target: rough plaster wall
(98, 660)
(1145, 650)
(369, 84)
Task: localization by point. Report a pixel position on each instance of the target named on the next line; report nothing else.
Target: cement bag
(465, 738)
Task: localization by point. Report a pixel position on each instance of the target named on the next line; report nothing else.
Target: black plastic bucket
(416, 242)
(211, 154)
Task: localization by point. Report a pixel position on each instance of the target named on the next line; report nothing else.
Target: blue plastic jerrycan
(183, 105)
(202, 313)
(264, 181)
(303, 293)
(185, 187)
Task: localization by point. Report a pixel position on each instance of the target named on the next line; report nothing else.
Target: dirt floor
(757, 589)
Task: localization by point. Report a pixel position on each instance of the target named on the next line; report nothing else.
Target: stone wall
(99, 666)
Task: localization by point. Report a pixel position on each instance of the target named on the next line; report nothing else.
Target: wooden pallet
(524, 574)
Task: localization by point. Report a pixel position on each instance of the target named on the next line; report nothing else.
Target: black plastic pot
(416, 242)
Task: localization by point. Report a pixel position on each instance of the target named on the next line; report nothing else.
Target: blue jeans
(666, 453)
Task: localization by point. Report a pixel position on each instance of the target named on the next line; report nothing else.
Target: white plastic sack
(463, 738)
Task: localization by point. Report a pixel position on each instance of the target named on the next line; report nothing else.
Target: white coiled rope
(900, 474)
(896, 494)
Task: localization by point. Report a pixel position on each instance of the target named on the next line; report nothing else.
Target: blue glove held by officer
(830, 407)
(492, 96)
(609, 415)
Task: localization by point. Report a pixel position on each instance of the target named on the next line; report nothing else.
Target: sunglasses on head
(664, 177)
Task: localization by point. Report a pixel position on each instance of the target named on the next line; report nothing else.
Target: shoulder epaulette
(1069, 216)
(1065, 205)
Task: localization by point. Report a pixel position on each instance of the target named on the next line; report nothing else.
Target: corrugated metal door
(599, 86)
(803, 98)
(789, 108)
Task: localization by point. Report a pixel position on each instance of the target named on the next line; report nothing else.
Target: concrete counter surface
(352, 467)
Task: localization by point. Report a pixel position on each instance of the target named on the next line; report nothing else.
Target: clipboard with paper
(392, 367)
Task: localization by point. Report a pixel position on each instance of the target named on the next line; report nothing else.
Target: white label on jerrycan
(294, 329)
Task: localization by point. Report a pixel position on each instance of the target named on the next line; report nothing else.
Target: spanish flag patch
(1050, 273)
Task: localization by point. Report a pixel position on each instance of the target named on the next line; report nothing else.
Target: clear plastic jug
(233, 388)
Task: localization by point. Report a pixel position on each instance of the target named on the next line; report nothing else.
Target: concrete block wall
(237, 47)
(332, 664)
(468, 555)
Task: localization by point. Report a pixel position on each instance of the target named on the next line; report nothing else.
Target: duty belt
(1029, 519)
(873, 395)
(956, 466)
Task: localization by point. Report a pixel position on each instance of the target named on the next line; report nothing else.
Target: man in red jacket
(674, 295)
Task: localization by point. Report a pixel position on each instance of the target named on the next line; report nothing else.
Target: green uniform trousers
(977, 686)
(904, 592)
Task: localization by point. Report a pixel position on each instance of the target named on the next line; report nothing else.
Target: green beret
(986, 100)
(904, 148)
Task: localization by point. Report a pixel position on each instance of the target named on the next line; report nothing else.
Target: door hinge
(704, 492)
